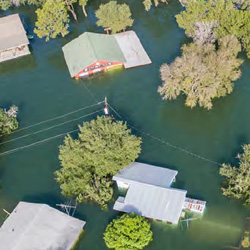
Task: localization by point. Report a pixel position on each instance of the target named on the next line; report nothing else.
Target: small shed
(39, 227)
(13, 38)
(91, 53)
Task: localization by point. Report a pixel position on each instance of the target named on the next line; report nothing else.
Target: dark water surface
(42, 88)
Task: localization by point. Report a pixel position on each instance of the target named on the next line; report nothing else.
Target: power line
(36, 143)
(51, 127)
(91, 93)
(165, 142)
(58, 117)
(42, 141)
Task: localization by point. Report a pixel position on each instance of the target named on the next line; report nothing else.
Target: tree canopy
(8, 121)
(52, 20)
(224, 17)
(237, 179)
(129, 232)
(6, 4)
(115, 16)
(89, 162)
(83, 4)
(202, 73)
(148, 3)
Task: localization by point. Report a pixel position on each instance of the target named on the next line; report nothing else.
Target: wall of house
(14, 53)
(122, 185)
(98, 67)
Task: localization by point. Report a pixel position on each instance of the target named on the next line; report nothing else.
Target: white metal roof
(39, 227)
(132, 49)
(12, 33)
(153, 202)
(145, 173)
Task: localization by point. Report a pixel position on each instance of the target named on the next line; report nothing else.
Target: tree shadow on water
(18, 64)
(241, 140)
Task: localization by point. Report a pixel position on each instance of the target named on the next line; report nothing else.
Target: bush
(129, 232)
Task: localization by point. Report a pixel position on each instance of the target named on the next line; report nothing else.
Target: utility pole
(106, 109)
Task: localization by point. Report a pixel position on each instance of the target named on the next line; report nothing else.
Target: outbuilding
(34, 226)
(92, 52)
(150, 193)
(13, 38)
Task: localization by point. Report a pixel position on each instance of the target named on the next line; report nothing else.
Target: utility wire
(36, 143)
(51, 127)
(165, 142)
(58, 117)
(156, 138)
(91, 93)
(42, 141)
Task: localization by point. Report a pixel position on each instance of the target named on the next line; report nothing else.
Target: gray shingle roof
(39, 227)
(12, 33)
(145, 173)
(153, 202)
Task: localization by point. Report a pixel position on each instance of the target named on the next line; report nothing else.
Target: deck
(14, 53)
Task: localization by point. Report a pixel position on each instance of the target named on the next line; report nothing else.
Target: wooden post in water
(6, 212)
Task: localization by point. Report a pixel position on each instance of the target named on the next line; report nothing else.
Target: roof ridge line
(92, 47)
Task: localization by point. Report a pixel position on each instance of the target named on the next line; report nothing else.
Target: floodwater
(42, 88)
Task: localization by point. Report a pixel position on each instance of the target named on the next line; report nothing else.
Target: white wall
(122, 185)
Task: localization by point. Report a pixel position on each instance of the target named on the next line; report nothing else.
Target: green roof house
(91, 52)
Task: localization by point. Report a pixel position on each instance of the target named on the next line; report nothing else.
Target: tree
(8, 121)
(52, 20)
(70, 7)
(33, 2)
(148, 3)
(204, 32)
(227, 17)
(129, 232)
(237, 179)
(114, 16)
(202, 73)
(89, 162)
(83, 3)
(6, 4)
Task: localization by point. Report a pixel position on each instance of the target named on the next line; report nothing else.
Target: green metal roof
(90, 47)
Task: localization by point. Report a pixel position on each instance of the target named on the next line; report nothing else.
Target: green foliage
(6, 4)
(114, 16)
(245, 242)
(33, 2)
(88, 163)
(83, 3)
(202, 73)
(237, 179)
(8, 121)
(230, 18)
(148, 3)
(52, 20)
(129, 232)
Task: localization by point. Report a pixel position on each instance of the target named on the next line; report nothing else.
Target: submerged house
(149, 193)
(91, 53)
(39, 227)
(13, 38)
